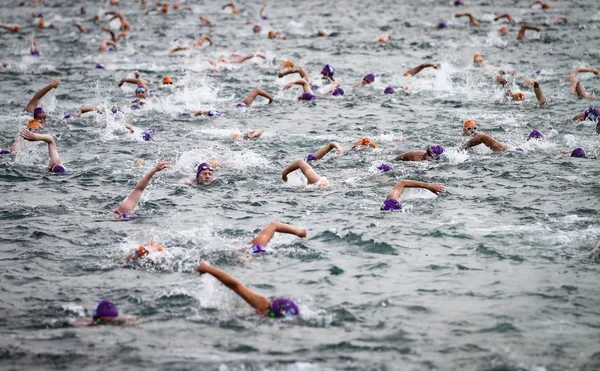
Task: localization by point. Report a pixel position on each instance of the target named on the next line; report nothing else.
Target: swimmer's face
(470, 130)
(141, 94)
(34, 130)
(41, 118)
(206, 176)
(366, 82)
(478, 62)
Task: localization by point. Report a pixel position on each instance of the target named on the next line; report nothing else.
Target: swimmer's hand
(595, 254)
(284, 176)
(203, 267)
(54, 84)
(30, 136)
(161, 165)
(501, 80)
(530, 82)
(288, 85)
(437, 66)
(436, 188)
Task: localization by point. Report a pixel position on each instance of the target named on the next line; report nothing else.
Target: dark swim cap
(307, 96)
(370, 77)
(147, 134)
(203, 166)
(384, 168)
(435, 151)
(391, 204)
(592, 113)
(328, 71)
(37, 111)
(535, 134)
(389, 90)
(338, 91)
(105, 308)
(311, 157)
(578, 152)
(59, 169)
(281, 307)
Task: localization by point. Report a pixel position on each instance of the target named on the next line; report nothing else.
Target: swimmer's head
(478, 60)
(384, 168)
(442, 26)
(68, 116)
(105, 310)
(167, 80)
(165, 7)
(204, 173)
(389, 90)
(337, 92)
(518, 96)
(272, 34)
(140, 92)
(40, 115)
(213, 113)
(391, 204)
(281, 307)
(256, 29)
(592, 113)
(147, 134)
(433, 153)
(99, 66)
(535, 134)
(236, 136)
(328, 71)
(34, 126)
(307, 96)
(148, 248)
(469, 128)
(287, 64)
(365, 143)
(578, 152)
(310, 157)
(368, 79)
(503, 30)
(115, 110)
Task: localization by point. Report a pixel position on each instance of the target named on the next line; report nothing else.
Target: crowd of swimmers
(327, 84)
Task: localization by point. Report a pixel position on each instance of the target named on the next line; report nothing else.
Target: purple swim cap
(105, 309)
(592, 113)
(59, 169)
(37, 111)
(264, 17)
(147, 134)
(314, 86)
(99, 66)
(34, 52)
(241, 105)
(5, 152)
(370, 77)
(389, 90)
(307, 96)
(442, 26)
(257, 249)
(391, 204)
(67, 116)
(115, 110)
(310, 157)
(203, 166)
(338, 91)
(535, 134)
(578, 152)
(281, 307)
(212, 113)
(384, 168)
(519, 149)
(256, 29)
(135, 106)
(435, 151)
(328, 71)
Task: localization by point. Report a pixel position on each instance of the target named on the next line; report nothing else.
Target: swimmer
(205, 174)
(469, 128)
(261, 12)
(237, 59)
(364, 143)
(367, 80)
(577, 88)
(391, 90)
(508, 17)
(126, 208)
(311, 176)
(496, 145)
(307, 94)
(141, 92)
(32, 107)
(84, 110)
(321, 152)
(541, 3)
(525, 27)
(143, 250)
(201, 40)
(384, 38)
(247, 102)
(275, 35)
(262, 239)
(209, 113)
(15, 28)
(324, 33)
(205, 21)
(33, 50)
(392, 201)
(234, 9)
(124, 24)
(276, 308)
(430, 153)
(163, 8)
(508, 91)
(104, 44)
(32, 126)
(592, 114)
(105, 314)
(473, 21)
(54, 165)
(254, 134)
(574, 74)
(419, 68)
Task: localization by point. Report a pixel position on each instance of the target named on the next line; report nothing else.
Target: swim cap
(458, 3)
(115, 110)
(104, 309)
(37, 111)
(288, 64)
(167, 80)
(314, 86)
(469, 123)
(241, 105)
(365, 142)
(257, 249)
(35, 52)
(370, 77)
(518, 96)
(535, 134)
(307, 96)
(236, 136)
(281, 307)
(328, 71)
(56, 168)
(271, 34)
(442, 25)
(5, 152)
(338, 91)
(256, 29)
(391, 204)
(99, 66)
(310, 157)
(135, 106)
(504, 29)
(213, 113)
(477, 56)
(384, 168)
(33, 124)
(67, 116)
(578, 152)
(334, 33)
(147, 134)
(592, 113)
(203, 166)
(389, 90)
(435, 151)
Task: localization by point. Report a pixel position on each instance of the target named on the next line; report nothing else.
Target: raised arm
(471, 18)
(113, 37)
(414, 71)
(299, 70)
(129, 204)
(234, 8)
(33, 103)
(254, 93)
(83, 110)
(524, 28)
(577, 71)
(502, 81)
(311, 176)
(399, 188)
(204, 37)
(261, 12)
(257, 301)
(505, 15)
(490, 142)
(539, 94)
(577, 88)
(305, 85)
(543, 4)
(327, 148)
(52, 151)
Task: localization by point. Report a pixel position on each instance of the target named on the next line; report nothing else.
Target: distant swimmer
(237, 59)
(259, 244)
(205, 21)
(261, 12)
(542, 4)
(160, 8)
(209, 113)
(307, 89)
(508, 91)
(324, 33)
(595, 254)
(124, 24)
(250, 98)
(392, 201)
(391, 90)
(32, 107)
(272, 34)
(419, 68)
(15, 28)
(384, 38)
(525, 27)
(506, 16)
(321, 152)
(311, 176)
(496, 145)
(254, 134)
(366, 80)
(144, 250)
(105, 314)
(276, 308)
(472, 20)
(431, 153)
(33, 49)
(469, 128)
(125, 210)
(234, 9)
(203, 38)
(54, 165)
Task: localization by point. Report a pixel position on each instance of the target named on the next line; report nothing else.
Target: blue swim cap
(281, 307)
(391, 204)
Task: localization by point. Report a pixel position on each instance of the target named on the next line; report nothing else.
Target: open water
(491, 275)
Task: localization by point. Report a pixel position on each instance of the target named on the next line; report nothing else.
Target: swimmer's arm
(52, 151)
(15, 28)
(113, 37)
(83, 110)
(540, 2)
(299, 70)
(179, 48)
(204, 21)
(16, 144)
(129, 127)
(420, 67)
(33, 103)
(257, 301)
(505, 15)
(261, 12)
(234, 9)
(580, 70)
(524, 28)
(305, 85)
(311, 176)
(138, 82)
(201, 112)
(255, 134)
(539, 94)
(399, 188)
(471, 18)
(327, 148)
(578, 117)
(204, 37)
(558, 19)
(129, 204)
(81, 28)
(410, 156)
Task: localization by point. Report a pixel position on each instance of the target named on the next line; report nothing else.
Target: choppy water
(492, 275)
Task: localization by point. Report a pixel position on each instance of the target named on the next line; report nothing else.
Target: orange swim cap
(288, 64)
(477, 56)
(16, 28)
(142, 251)
(41, 24)
(365, 142)
(271, 34)
(126, 26)
(222, 60)
(236, 136)
(176, 6)
(34, 124)
(167, 80)
(385, 37)
(469, 123)
(518, 96)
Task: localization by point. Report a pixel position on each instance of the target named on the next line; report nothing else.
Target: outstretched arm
(311, 176)
(204, 21)
(261, 12)
(299, 70)
(540, 2)
(16, 28)
(33, 103)
(257, 301)
(83, 110)
(411, 156)
(420, 67)
(179, 48)
(129, 204)
(305, 85)
(204, 37)
(505, 15)
(490, 142)
(254, 93)
(524, 28)
(327, 148)
(113, 37)
(399, 188)
(578, 117)
(471, 18)
(52, 151)
(577, 71)
(267, 233)
(234, 9)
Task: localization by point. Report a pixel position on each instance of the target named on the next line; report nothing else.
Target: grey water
(491, 275)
